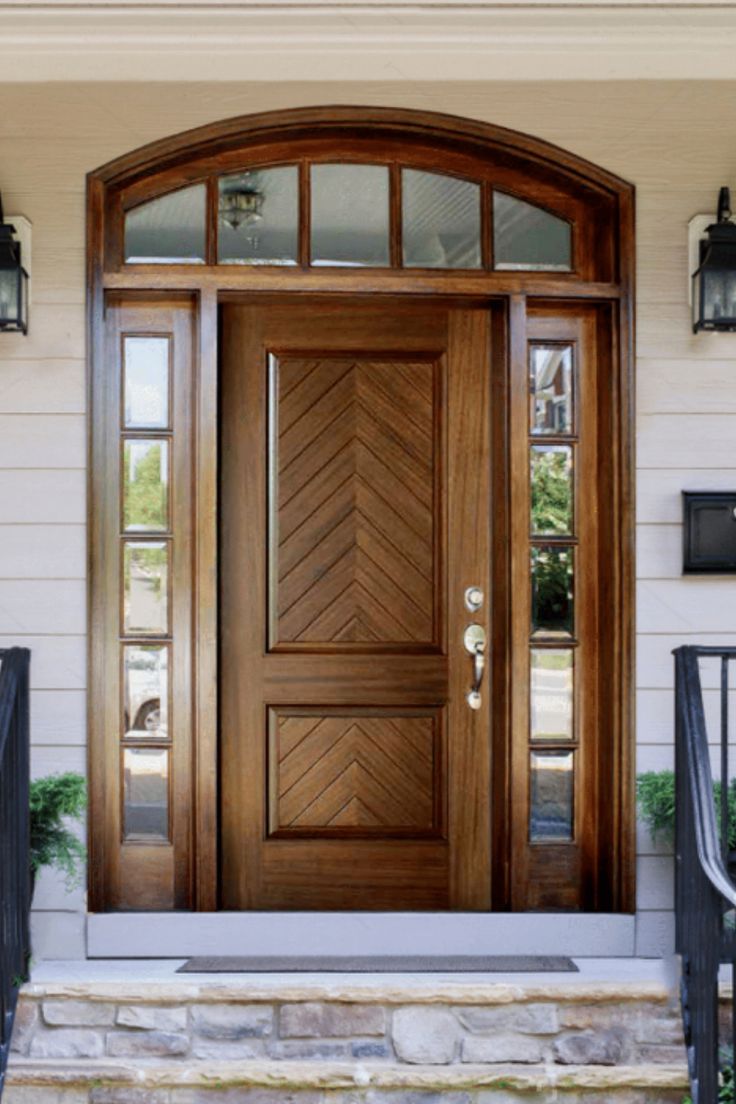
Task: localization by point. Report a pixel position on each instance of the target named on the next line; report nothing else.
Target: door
(354, 514)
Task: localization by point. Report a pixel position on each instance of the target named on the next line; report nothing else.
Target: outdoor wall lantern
(714, 281)
(13, 281)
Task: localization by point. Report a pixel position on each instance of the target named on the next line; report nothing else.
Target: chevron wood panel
(355, 772)
(354, 480)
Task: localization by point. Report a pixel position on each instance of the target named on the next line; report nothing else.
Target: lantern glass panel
(718, 295)
(10, 299)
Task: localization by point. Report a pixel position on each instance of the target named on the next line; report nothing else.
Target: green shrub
(655, 792)
(53, 799)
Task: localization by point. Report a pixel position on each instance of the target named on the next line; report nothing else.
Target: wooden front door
(354, 513)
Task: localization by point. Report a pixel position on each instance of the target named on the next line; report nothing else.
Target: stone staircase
(369, 1040)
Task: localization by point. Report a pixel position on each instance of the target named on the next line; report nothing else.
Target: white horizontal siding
(40, 496)
(658, 551)
(698, 604)
(42, 606)
(42, 386)
(42, 441)
(59, 717)
(57, 662)
(42, 551)
(659, 490)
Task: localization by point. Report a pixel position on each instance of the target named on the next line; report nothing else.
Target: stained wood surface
(370, 800)
(354, 487)
(601, 206)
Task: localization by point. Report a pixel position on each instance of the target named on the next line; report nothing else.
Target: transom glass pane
(350, 215)
(550, 387)
(552, 490)
(146, 693)
(145, 485)
(552, 694)
(258, 217)
(551, 795)
(146, 793)
(525, 236)
(168, 230)
(440, 221)
(552, 591)
(146, 387)
(145, 588)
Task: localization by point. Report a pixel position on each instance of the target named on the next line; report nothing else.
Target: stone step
(253, 1082)
(376, 1040)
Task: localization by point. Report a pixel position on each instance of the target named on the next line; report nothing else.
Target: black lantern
(714, 282)
(13, 281)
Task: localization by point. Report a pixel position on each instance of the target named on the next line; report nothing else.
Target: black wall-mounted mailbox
(709, 532)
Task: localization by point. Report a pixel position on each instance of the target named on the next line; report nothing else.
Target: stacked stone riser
(238, 1045)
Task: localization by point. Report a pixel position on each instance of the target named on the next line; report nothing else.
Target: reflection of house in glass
(551, 795)
(551, 388)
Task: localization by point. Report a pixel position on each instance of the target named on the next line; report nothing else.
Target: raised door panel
(354, 488)
(358, 772)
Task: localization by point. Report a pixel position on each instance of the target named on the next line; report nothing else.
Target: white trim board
(181, 934)
(305, 42)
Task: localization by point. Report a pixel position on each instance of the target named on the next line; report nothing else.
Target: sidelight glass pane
(168, 230)
(146, 382)
(552, 694)
(528, 237)
(440, 221)
(350, 215)
(551, 795)
(145, 485)
(146, 793)
(552, 591)
(258, 219)
(145, 588)
(551, 490)
(146, 690)
(550, 389)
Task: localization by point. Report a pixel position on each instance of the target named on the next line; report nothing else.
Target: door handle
(474, 639)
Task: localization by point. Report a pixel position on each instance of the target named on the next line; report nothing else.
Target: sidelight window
(553, 585)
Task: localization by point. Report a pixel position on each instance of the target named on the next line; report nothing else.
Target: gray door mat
(379, 964)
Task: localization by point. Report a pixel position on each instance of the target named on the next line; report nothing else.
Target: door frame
(601, 205)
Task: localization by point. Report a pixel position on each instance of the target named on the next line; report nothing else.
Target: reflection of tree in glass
(145, 487)
(552, 589)
(551, 491)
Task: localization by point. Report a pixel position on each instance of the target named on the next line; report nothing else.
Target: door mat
(379, 964)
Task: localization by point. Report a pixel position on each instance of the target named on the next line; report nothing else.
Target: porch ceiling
(285, 41)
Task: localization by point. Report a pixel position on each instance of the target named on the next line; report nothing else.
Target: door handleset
(474, 639)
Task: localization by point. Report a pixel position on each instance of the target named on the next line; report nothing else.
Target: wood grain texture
(363, 662)
(368, 772)
(353, 473)
(356, 760)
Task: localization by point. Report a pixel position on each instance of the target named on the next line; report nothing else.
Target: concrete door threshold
(157, 979)
(185, 934)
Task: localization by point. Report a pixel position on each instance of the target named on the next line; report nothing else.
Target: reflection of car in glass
(142, 691)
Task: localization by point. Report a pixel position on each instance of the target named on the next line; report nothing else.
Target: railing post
(15, 880)
(703, 889)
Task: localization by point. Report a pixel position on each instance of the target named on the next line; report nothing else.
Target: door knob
(474, 639)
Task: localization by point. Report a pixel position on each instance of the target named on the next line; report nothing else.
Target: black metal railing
(705, 894)
(15, 871)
